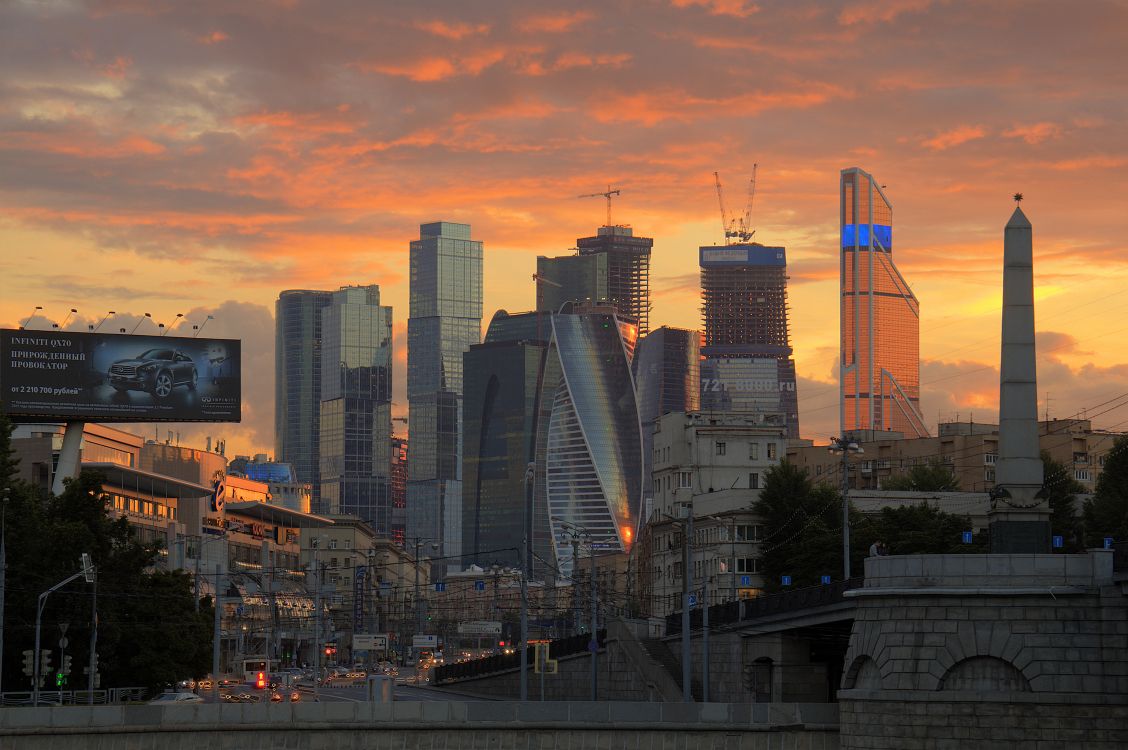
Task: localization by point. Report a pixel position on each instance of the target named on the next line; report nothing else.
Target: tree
(931, 477)
(1106, 513)
(920, 530)
(1061, 491)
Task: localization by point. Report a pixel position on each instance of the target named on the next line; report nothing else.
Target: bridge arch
(984, 674)
(863, 674)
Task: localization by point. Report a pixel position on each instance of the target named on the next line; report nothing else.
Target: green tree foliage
(1061, 490)
(1106, 513)
(931, 477)
(920, 530)
(149, 633)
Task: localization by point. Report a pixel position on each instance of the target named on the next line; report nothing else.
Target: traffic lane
(359, 694)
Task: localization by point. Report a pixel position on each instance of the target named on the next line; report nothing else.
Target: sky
(197, 158)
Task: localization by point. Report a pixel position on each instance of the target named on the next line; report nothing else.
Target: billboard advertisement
(111, 377)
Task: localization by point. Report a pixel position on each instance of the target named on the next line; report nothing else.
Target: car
(166, 699)
(275, 697)
(155, 371)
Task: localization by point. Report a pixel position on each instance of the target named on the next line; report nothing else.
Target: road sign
(369, 642)
(786, 580)
(966, 537)
(425, 641)
(1059, 542)
(693, 600)
(1108, 542)
(479, 627)
(440, 587)
(479, 585)
(825, 580)
(746, 580)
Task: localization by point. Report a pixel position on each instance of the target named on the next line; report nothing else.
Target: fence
(75, 697)
(764, 606)
(576, 644)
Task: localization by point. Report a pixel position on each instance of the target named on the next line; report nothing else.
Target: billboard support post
(68, 457)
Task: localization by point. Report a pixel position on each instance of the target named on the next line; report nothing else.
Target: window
(747, 565)
(749, 532)
(1082, 475)
(753, 481)
(990, 458)
(721, 448)
(333, 545)
(348, 544)
(772, 452)
(685, 478)
(753, 451)
(988, 475)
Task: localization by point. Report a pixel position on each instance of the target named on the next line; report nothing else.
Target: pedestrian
(875, 549)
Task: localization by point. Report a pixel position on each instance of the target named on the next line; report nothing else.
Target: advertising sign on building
(110, 377)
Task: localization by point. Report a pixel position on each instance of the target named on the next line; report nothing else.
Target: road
(358, 694)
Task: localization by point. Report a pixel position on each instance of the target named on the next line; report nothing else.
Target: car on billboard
(155, 371)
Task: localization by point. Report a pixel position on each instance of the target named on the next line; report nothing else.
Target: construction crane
(605, 194)
(739, 228)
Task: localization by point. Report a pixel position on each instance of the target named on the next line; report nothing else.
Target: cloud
(1035, 132)
(879, 11)
(453, 31)
(733, 8)
(212, 37)
(553, 23)
(954, 137)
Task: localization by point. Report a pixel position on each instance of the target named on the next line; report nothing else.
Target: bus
(253, 666)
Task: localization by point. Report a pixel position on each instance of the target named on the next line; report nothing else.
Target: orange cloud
(452, 30)
(1035, 133)
(1096, 161)
(651, 108)
(117, 69)
(214, 37)
(553, 24)
(954, 137)
(82, 147)
(879, 11)
(427, 69)
(734, 8)
(569, 60)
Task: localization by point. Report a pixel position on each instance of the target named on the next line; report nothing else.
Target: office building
(880, 318)
(502, 375)
(628, 271)
(284, 490)
(589, 445)
(399, 487)
(748, 366)
(356, 407)
(667, 373)
(571, 278)
(445, 321)
(297, 384)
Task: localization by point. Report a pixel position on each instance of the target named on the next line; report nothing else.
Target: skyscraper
(502, 376)
(356, 404)
(297, 384)
(667, 373)
(628, 271)
(445, 320)
(748, 365)
(880, 318)
(571, 278)
(589, 448)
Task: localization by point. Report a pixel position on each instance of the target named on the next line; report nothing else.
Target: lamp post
(845, 446)
(687, 535)
(196, 577)
(419, 542)
(577, 533)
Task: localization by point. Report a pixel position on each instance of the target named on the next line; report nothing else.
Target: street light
(845, 446)
(419, 542)
(576, 533)
(687, 688)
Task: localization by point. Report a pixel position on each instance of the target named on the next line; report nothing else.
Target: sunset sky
(198, 157)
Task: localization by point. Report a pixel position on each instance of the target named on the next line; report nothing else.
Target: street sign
(825, 580)
(966, 537)
(440, 587)
(425, 641)
(479, 585)
(1108, 542)
(693, 600)
(786, 580)
(746, 580)
(1059, 542)
(369, 642)
(479, 627)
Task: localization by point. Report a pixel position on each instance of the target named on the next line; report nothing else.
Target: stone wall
(422, 725)
(1003, 640)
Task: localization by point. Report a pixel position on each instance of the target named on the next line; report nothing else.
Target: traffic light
(260, 681)
(60, 679)
(66, 665)
(501, 644)
(29, 663)
(44, 661)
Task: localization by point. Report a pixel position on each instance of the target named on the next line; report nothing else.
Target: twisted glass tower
(880, 318)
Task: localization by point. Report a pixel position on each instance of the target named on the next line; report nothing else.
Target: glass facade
(880, 318)
(571, 278)
(589, 442)
(356, 403)
(297, 383)
(445, 321)
(499, 428)
(667, 373)
(628, 271)
(748, 365)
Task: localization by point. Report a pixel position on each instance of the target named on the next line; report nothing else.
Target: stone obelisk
(1019, 517)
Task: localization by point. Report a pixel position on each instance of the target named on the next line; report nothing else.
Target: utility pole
(845, 446)
(37, 674)
(216, 636)
(316, 617)
(3, 576)
(705, 640)
(594, 645)
(92, 668)
(524, 634)
(687, 672)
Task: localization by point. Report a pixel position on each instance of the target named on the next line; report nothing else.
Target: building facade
(880, 317)
(502, 378)
(748, 366)
(356, 407)
(571, 278)
(445, 321)
(297, 383)
(628, 270)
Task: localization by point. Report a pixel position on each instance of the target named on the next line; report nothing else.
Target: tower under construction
(628, 270)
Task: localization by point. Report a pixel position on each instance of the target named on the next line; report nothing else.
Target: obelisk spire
(1019, 518)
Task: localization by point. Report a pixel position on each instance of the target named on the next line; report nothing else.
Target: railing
(766, 606)
(74, 697)
(576, 644)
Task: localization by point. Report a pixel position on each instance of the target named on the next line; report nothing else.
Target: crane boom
(721, 201)
(605, 194)
(746, 231)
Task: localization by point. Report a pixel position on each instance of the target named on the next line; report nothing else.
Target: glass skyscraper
(499, 407)
(589, 443)
(356, 403)
(748, 365)
(445, 321)
(880, 318)
(667, 373)
(297, 384)
(571, 278)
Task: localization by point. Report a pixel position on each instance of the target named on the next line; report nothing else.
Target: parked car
(156, 371)
(295, 696)
(166, 699)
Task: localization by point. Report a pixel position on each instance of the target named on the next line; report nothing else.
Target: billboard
(111, 377)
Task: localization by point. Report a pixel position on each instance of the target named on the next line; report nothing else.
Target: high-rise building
(499, 410)
(628, 270)
(356, 407)
(399, 487)
(880, 318)
(297, 384)
(445, 321)
(748, 366)
(589, 446)
(667, 373)
(571, 278)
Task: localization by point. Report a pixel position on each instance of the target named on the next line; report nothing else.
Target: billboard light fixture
(200, 327)
(29, 317)
(67, 319)
(178, 318)
(147, 315)
(104, 319)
